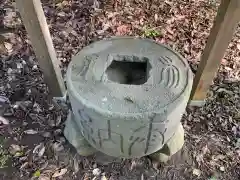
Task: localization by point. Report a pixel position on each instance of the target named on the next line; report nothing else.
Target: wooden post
(221, 34)
(35, 23)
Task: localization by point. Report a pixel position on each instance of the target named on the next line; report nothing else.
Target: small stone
(96, 172)
(196, 172)
(9, 71)
(19, 65)
(34, 67)
(103, 177)
(24, 62)
(222, 169)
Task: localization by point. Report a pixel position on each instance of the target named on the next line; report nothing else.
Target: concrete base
(74, 136)
(174, 144)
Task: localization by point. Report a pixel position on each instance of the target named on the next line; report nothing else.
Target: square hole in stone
(129, 70)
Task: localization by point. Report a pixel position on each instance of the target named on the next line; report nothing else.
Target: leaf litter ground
(31, 125)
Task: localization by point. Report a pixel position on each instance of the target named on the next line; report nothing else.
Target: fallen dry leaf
(14, 148)
(43, 177)
(3, 121)
(24, 165)
(122, 30)
(75, 165)
(4, 99)
(8, 46)
(59, 173)
(39, 150)
(30, 131)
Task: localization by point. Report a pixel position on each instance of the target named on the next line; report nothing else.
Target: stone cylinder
(128, 95)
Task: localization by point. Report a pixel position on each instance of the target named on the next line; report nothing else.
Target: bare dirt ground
(32, 145)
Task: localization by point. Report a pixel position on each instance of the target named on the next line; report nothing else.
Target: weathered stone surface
(128, 95)
(174, 144)
(74, 136)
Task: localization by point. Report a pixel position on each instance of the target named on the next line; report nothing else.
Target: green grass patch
(4, 155)
(151, 33)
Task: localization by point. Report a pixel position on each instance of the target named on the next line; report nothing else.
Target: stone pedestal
(75, 137)
(174, 144)
(127, 96)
